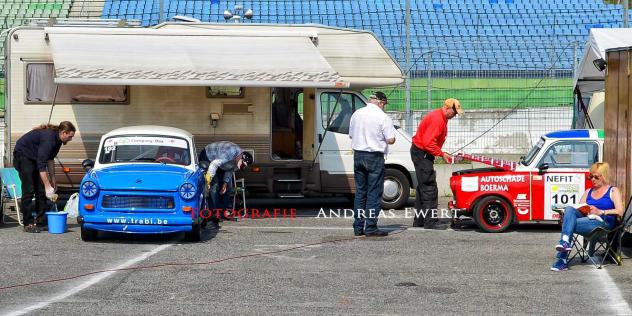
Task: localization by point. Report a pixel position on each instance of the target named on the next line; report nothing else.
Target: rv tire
(396, 189)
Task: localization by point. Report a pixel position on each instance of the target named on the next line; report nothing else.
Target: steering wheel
(165, 159)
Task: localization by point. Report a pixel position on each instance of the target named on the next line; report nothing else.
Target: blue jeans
(368, 171)
(576, 222)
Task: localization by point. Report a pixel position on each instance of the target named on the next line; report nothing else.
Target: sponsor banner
(500, 163)
(493, 183)
(145, 140)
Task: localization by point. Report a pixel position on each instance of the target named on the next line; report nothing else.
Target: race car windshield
(533, 152)
(153, 149)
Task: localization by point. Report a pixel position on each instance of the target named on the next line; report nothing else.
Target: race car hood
(149, 177)
(476, 170)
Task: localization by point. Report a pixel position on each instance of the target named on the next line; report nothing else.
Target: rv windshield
(533, 152)
(147, 148)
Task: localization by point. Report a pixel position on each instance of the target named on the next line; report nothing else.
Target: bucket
(57, 222)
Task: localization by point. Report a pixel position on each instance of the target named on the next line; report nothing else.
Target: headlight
(187, 191)
(89, 189)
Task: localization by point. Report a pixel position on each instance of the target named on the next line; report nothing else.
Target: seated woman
(604, 201)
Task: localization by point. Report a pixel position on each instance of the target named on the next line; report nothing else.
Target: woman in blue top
(604, 201)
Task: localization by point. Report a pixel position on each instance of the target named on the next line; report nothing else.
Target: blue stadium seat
(515, 23)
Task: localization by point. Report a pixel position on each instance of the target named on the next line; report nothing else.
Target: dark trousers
(427, 197)
(32, 186)
(368, 171)
(216, 203)
(220, 201)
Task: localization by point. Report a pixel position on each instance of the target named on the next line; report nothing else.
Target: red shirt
(431, 133)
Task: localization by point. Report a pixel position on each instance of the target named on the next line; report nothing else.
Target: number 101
(564, 199)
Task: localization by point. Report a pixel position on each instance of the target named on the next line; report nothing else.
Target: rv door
(335, 156)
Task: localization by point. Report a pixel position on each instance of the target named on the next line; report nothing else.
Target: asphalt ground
(307, 266)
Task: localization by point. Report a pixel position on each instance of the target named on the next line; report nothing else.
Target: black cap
(379, 95)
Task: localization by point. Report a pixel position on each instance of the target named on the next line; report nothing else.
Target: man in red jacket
(427, 144)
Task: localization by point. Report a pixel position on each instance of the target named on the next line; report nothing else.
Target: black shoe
(377, 233)
(30, 228)
(358, 233)
(418, 222)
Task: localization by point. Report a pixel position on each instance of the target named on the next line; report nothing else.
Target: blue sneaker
(563, 246)
(559, 265)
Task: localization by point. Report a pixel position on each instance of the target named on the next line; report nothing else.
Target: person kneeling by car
(224, 159)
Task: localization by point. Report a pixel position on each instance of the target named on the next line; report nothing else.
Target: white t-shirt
(369, 129)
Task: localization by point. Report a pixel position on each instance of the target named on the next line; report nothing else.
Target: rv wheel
(396, 189)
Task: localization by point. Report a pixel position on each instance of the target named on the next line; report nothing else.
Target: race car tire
(88, 234)
(396, 189)
(195, 234)
(493, 214)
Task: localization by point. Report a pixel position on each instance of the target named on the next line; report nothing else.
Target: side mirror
(203, 165)
(543, 168)
(87, 164)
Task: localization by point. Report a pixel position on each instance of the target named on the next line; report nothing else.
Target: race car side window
(571, 154)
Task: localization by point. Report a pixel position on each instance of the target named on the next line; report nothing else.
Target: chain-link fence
(509, 62)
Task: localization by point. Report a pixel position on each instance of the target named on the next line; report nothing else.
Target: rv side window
(337, 109)
(225, 92)
(40, 88)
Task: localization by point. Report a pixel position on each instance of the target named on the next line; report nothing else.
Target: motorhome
(283, 92)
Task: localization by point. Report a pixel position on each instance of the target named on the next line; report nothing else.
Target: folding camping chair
(11, 192)
(602, 239)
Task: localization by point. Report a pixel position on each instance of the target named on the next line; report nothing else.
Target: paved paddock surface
(304, 266)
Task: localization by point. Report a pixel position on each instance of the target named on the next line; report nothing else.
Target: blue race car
(145, 180)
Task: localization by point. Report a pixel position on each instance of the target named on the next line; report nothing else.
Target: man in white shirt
(371, 131)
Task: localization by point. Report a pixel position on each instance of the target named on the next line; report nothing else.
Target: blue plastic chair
(11, 191)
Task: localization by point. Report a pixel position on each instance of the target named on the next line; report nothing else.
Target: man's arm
(48, 187)
(44, 151)
(351, 125)
(389, 131)
(51, 173)
(214, 165)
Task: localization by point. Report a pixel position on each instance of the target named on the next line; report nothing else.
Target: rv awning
(357, 56)
(163, 57)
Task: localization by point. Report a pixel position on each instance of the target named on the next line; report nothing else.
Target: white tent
(588, 78)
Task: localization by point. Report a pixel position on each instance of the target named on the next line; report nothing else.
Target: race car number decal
(562, 189)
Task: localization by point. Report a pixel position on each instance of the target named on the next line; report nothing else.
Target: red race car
(553, 173)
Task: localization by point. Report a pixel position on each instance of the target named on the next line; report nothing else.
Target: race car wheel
(195, 234)
(396, 189)
(88, 234)
(493, 214)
